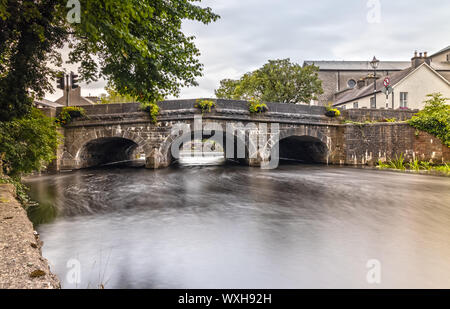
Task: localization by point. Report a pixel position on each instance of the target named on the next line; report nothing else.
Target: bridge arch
(99, 147)
(304, 144)
(235, 147)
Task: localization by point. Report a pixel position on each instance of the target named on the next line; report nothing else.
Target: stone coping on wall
(363, 114)
(179, 110)
(169, 105)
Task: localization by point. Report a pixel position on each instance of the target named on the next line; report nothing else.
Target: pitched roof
(395, 77)
(368, 90)
(440, 66)
(47, 103)
(94, 99)
(441, 51)
(358, 65)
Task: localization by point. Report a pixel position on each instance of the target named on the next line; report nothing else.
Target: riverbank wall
(22, 265)
(366, 144)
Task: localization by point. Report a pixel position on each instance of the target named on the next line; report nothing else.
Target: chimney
(426, 59)
(361, 83)
(369, 79)
(416, 61)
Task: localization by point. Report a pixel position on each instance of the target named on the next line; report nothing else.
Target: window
(403, 100)
(355, 105)
(351, 83)
(373, 104)
(344, 107)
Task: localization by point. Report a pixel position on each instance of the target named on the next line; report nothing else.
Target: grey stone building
(339, 76)
(75, 98)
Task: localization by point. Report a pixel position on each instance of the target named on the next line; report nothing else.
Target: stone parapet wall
(179, 105)
(362, 114)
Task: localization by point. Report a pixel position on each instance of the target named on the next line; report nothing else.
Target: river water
(300, 226)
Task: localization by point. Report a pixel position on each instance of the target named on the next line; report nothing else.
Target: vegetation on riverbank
(21, 189)
(27, 144)
(434, 118)
(400, 164)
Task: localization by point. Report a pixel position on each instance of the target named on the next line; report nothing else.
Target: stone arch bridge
(120, 132)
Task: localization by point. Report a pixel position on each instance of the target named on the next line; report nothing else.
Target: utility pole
(374, 64)
(65, 84)
(67, 90)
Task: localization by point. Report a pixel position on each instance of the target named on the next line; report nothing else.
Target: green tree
(27, 144)
(30, 34)
(277, 81)
(137, 45)
(113, 96)
(434, 118)
(227, 88)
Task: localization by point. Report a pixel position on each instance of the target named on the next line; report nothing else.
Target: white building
(410, 88)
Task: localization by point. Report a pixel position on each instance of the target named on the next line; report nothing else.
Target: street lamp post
(374, 64)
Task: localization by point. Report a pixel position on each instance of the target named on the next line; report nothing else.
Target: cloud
(250, 32)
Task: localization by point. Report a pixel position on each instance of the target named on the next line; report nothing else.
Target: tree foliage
(30, 34)
(113, 96)
(277, 81)
(137, 45)
(27, 144)
(434, 118)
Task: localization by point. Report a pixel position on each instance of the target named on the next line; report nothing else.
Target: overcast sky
(250, 32)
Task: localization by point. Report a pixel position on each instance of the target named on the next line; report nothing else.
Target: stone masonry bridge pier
(120, 132)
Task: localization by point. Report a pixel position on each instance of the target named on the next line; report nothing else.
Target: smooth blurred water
(238, 227)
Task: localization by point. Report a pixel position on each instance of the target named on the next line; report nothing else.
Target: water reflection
(238, 227)
(188, 158)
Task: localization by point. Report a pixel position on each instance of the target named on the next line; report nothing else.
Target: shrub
(27, 144)
(69, 113)
(445, 169)
(332, 112)
(414, 165)
(205, 105)
(398, 163)
(434, 118)
(256, 107)
(426, 165)
(382, 165)
(21, 189)
(152, 109)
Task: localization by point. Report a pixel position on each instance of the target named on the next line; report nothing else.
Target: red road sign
(387, 82)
